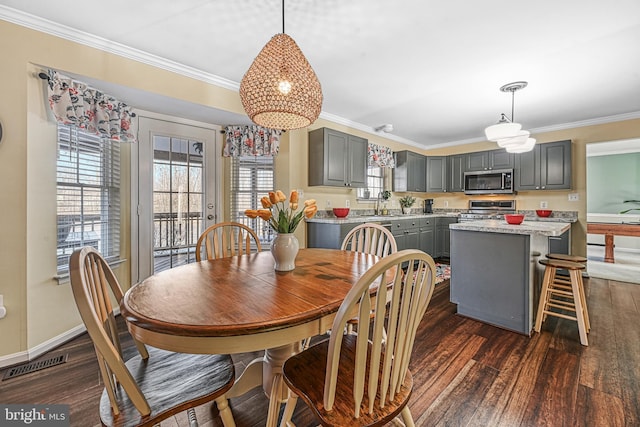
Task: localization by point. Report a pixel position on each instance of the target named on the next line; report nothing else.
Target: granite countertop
(544, 228)
(378, 218)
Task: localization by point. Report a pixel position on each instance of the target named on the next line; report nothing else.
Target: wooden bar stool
(560, 296)
(562, 280)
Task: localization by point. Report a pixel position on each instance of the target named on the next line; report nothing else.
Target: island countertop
(542, 228)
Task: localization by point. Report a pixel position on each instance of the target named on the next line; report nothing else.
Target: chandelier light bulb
(284, 87)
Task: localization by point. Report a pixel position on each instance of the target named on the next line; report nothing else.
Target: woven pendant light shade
(280, 90)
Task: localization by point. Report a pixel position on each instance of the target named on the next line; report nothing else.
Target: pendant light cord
(282, 16)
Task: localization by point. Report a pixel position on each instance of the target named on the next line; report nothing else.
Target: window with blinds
(251, 179)
(88, 194)
(375, 184)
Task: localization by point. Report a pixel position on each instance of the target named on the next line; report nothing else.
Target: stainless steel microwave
(498, 181)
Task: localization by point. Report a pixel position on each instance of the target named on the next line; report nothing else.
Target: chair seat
(166, 377)
(304, 373)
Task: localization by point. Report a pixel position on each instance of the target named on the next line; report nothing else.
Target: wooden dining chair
(355, 380)
(227, 239)
(370, 238)
(151, 386)
(367, 238)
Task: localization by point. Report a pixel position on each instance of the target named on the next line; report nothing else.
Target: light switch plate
(544, 205)
(328, 203)
(347, 203)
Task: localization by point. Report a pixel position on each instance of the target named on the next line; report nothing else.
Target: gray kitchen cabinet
(546, 167)
(501, 159)
(442, 237)
(560, 244)
(488, 160)
(426, 236)
(410, 172)
(478, 161)
(337, 159)
(455, 172)
(405, 231)
(328, 235)
(436, 174)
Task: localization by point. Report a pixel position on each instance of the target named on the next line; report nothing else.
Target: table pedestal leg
(608, 248)
(267, 371)
(272, 383)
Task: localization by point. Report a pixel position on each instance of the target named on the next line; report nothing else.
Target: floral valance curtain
(381, 156)
(251, 140)
(74, 103)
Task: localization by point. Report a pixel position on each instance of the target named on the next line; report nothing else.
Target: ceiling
(433, 69)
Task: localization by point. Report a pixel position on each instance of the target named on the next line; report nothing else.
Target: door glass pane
(177, 200)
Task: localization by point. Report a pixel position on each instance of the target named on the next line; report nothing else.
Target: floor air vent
(27, 368)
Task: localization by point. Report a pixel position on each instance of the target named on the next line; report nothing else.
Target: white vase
(284, 249)
(406, 209)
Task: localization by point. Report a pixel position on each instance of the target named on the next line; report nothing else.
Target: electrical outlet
(574, 197)
(544, 205)
(347, 203)
(446, 203)
(300, 193)
(328, 204)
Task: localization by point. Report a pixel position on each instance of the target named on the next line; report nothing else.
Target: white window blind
(88, 194)
(251, 179)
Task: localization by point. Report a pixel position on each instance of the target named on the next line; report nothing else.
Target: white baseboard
(40, 349)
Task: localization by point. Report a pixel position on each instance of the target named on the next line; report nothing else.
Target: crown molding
(355, 125)
(77, 36)
(589, 122)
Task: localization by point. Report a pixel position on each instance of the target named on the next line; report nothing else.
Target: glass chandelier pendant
(280, 90)
(506, 133)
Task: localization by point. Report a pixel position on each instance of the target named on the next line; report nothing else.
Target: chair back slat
(370, 238)
(92, 281)
(388, 362)
(226, 239)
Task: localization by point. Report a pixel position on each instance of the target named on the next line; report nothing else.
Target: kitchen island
(495, 274)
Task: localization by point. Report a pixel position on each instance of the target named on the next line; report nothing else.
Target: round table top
(244, 295)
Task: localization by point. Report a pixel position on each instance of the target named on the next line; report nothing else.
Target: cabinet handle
(537, 188)
(543, 187)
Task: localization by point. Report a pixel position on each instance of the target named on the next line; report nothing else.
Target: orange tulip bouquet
(281, 218)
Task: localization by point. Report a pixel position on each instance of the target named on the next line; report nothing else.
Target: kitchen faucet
(376, 208)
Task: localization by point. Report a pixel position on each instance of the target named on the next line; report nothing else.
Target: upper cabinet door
(555, 165)
(436, 174)
(478, 161)
(546, 167)
(357, 163)
(410, 172)
(336, 148)
(455, 172)
(337, 159)
(500, 159)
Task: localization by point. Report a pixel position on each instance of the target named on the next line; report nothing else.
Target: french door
(176, 193)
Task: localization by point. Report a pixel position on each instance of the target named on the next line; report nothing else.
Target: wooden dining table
(241, 304)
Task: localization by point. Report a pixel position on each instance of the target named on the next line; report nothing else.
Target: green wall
(611, 180)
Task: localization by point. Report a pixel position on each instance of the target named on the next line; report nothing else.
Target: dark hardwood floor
(466, 373)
